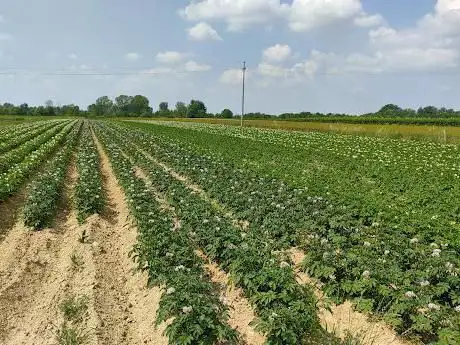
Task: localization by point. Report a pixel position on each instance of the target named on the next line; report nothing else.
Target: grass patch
(74, 308)
(70, 336)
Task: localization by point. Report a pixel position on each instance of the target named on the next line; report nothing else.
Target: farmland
(234, 235)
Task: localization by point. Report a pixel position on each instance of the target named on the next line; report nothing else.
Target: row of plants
(10, 132)
(18, 154)
(190, 303)
(89, 198)
(409, 278)
(287, 312)
(21, 138)
(15, 177)
(42, 198)
(397, 183)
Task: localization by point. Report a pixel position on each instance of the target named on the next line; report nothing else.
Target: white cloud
(232, 77)
(238, 14)
(366, 20)
(192, 66)
(72, 56)
(432, 44)
(305, 15)
(169, 57)
(277, 53)
(133, 57)
(203, 32)
(301, 15)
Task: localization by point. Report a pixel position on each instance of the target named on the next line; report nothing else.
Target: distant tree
(196, 109)
(181, 109)
(24, 109)
(123, 105)
(390, 110)
(226, 114)
(102, 107)
(140, 106)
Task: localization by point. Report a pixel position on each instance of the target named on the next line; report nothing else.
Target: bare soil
(40, 270)
(240, 310)
(343, 319)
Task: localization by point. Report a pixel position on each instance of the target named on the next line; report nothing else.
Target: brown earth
(343, 319)
(40, 270)
(240, 311)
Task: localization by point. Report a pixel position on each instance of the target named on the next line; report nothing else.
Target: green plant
(74, 308)
(69, 335)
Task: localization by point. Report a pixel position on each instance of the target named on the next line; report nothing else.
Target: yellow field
(444, 134)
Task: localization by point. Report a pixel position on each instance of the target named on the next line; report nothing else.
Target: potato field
(163, 232)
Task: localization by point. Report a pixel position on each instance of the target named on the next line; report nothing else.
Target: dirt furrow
(35, 275)
(343, 319)
(241, 313)
(126, 307)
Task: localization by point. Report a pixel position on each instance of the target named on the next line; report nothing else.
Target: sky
(340, 56)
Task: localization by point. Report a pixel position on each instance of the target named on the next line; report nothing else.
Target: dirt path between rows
(126, 307)
(343, 319)
(39, 270)
(36, 275)
(241, 313)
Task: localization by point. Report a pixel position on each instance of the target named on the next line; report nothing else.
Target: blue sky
(303, 55)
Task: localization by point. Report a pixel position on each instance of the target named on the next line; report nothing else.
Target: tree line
(139, 106)
(121, 106)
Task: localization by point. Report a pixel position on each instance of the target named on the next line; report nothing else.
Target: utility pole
(242, 103)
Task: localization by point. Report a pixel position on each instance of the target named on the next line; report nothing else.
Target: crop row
(17, 155)
(9, 133)
(190, 302)
(42, 199)
(13, 179)
(286, 311)
(401, 184)
(410, 279)
(21, 138)
(89, 198)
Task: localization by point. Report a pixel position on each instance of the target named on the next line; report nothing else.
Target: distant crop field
(442, 134)
(225, 235)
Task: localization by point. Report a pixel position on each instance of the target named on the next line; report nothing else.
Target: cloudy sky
(314, 55)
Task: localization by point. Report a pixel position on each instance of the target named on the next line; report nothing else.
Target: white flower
(413, 240)
(205, 221)
(436, 252)
(332, 277)
(424, 283)
(169, 255)
(410, 294)
(366, 274)
(170, 291)
(187, 310)
(457, 309)
(433, 306)
(324, 241)
(434, 245)
(449, 266)
(386, 252)
(180, 267)
(284, 264)
(367, 244)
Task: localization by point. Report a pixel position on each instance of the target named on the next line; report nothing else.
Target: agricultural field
(124, 232)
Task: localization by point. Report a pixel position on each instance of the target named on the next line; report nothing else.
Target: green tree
(140, 106)
(181, 109)
(123, 105)
(196, 109)
(226, 114)
(102, 107)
